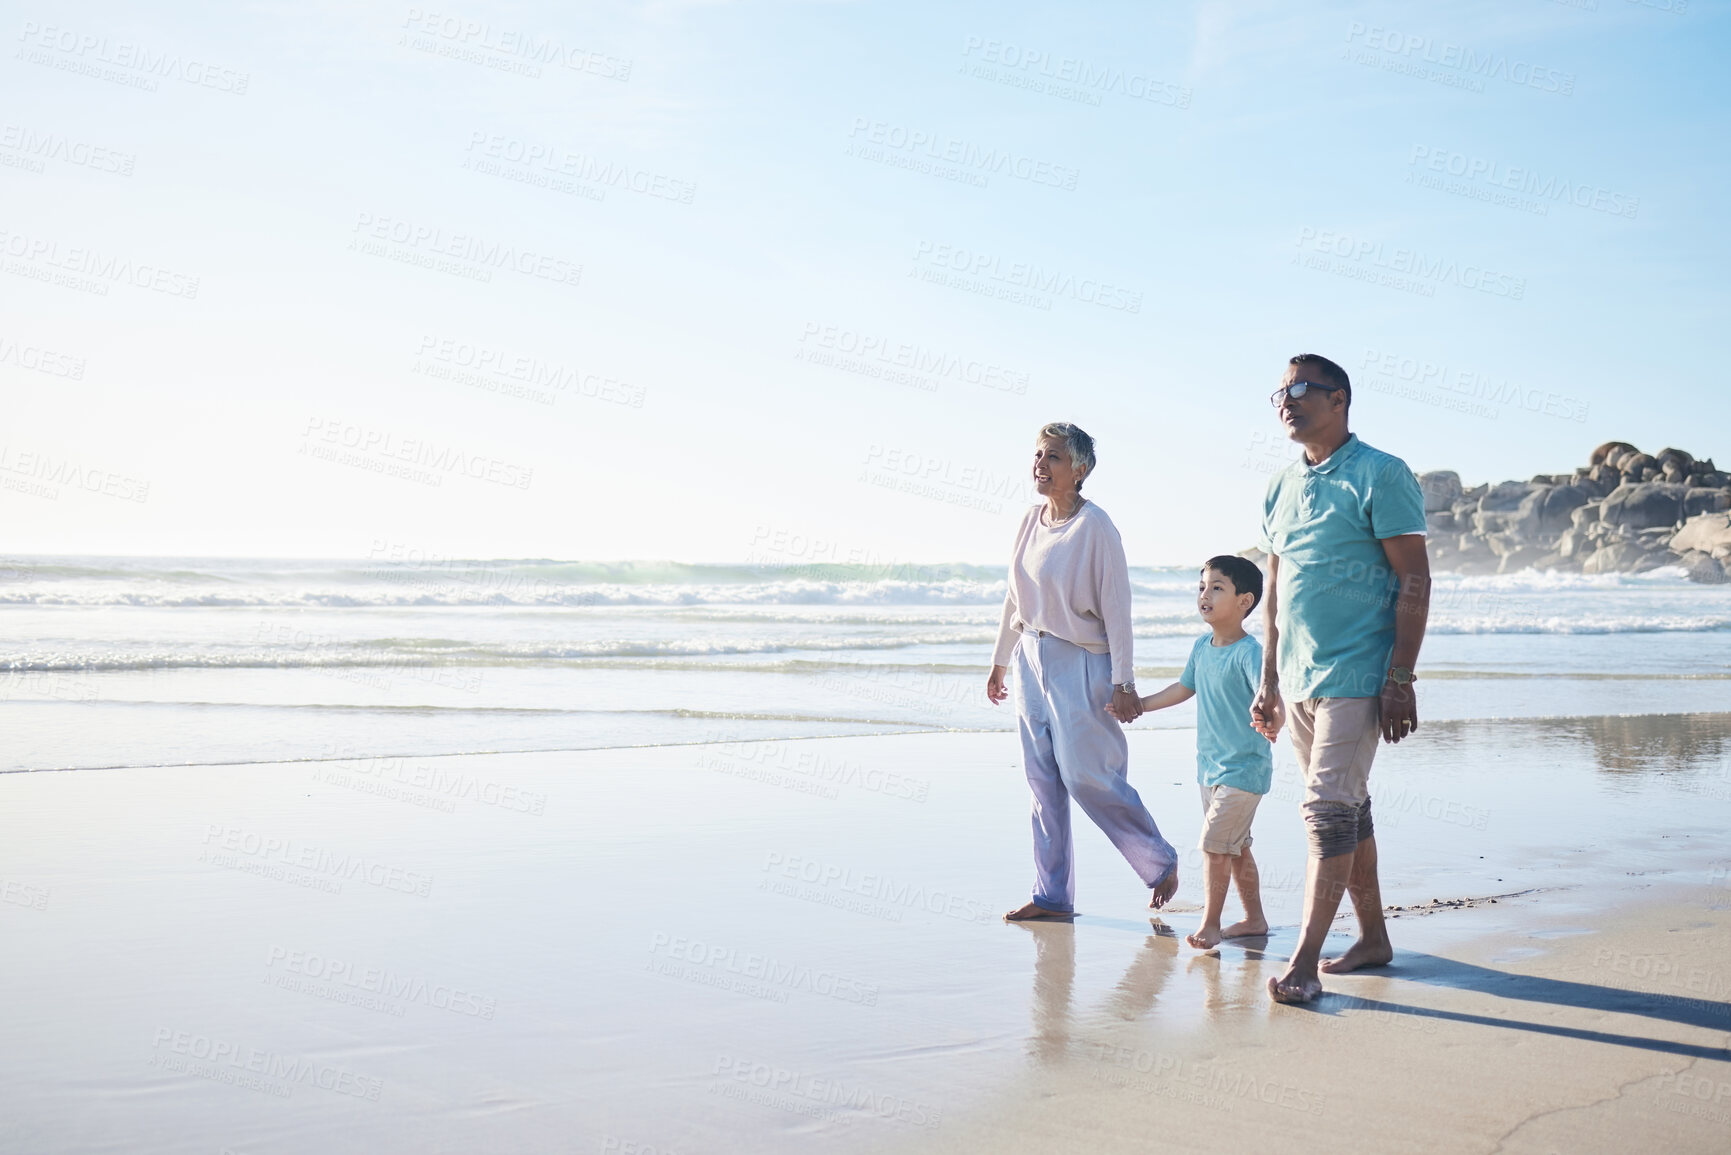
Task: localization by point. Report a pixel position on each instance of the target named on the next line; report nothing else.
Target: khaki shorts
(1226, 816)
(1335, 740)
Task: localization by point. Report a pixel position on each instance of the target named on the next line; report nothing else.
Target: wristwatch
(1401, 675)
(1124, 687)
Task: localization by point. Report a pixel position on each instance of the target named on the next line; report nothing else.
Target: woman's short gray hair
(1076, 442)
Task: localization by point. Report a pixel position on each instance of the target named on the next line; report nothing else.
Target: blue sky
(725, 282)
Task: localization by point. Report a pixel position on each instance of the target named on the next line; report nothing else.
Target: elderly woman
(1066, 625)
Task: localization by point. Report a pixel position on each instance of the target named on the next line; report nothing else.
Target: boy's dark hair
(1330, 372)
(1243, 573)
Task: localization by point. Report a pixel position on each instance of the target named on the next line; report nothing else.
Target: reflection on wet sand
(1641, 742)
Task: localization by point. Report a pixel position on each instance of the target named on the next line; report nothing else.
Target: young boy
(1234, 763)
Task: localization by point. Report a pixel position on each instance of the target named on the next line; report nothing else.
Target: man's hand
(1125, 706)
(1268, 712)
(1399, 711)
(995, 685)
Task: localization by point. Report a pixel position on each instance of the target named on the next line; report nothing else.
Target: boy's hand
(1267, 712)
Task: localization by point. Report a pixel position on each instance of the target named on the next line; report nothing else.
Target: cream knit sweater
(1070, 580)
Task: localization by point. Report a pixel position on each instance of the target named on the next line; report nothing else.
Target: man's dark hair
(1243, 573)
(1332, 374)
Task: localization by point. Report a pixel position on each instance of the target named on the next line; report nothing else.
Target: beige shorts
(1226, 816)
(1335, 740)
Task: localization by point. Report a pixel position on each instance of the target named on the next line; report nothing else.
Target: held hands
(1124, 706)
(995, 685)
(1268, 712)
(1399, 711)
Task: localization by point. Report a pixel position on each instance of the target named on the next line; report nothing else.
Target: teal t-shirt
(1225, 678)
(1326, 524)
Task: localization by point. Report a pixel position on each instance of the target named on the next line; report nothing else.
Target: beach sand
(796, 946)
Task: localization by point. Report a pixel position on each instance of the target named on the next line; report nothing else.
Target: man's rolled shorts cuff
(1336, 828)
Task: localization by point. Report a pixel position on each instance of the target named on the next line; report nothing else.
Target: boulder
(1621, 557)
(1683, 459)
(1636, 462)
(1505, 497)
(1442, 521)
(1572, 543)
(1643, 505)
(1554, 507)
(1442, 488)
(1699, 499)
(1704, 568)
(1605, 478)
(1584, 516)
(1708, 533)
(1609, 450)
(1522, 557)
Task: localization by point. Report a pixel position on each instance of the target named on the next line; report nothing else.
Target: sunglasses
(1297, 390)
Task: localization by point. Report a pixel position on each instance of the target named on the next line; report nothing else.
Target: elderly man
(1349, 593)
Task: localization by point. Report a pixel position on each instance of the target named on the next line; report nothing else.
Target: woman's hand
(1126, 707)
(995, 685)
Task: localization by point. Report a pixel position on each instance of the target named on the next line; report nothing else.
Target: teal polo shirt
(1326, 523)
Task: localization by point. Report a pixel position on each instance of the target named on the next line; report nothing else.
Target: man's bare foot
(1035, 911)
(1163, 892)
(1204, 938)
(1246, 928)
(1359, 956)
(1290, 988)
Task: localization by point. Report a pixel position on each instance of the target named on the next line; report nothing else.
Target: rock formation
(1624, 512)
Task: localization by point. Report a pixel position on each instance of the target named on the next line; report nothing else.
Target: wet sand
(796, 946)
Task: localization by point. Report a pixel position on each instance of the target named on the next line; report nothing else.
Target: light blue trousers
(1071, 748)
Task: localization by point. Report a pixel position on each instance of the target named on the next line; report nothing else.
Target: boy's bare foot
(1204, 938)
(1033, 911)
(1163, 892)
(1246, 928)
(1293, 988)
(1359, 956)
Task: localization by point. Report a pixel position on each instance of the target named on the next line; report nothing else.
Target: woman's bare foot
(1204, 938)
(1163, 892)
(1246, 928)
(1033, 911)
(1291, 988)
(1359, 956)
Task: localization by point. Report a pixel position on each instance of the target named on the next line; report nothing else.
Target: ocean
(136, 662)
